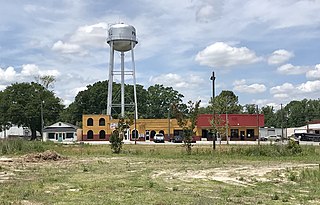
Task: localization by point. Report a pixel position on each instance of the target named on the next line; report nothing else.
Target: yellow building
(237, 127)
(100, 127)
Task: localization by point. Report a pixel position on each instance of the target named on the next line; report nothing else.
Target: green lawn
(146, 174)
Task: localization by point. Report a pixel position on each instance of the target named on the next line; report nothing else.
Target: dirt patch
(247, 175)
(43, 156)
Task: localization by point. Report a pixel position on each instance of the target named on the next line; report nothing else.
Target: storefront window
(250, 133)
(234, 133)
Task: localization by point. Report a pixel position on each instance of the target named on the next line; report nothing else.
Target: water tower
(121, 38)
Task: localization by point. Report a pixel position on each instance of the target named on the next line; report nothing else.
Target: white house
(60, 132)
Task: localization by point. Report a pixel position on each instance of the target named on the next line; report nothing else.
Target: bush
(294, 147)
(116, 142)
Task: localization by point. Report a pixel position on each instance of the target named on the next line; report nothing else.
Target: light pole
(258, 124)
(169, 121)
(42, 121)
(213, 78)
(281, 122)
(227, 127)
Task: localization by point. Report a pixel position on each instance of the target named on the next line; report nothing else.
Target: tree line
(34, 105)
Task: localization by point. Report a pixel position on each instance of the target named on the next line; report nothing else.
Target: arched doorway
(135, 134)
(90, 135)
(102, 135)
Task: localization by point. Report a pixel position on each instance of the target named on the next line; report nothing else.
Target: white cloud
(288, 91)
(7, 75)
(34, 70)
(280, 56)
(177, 81)
(68, 48)
(309, 86)
(221, 54)
(30, 70)
(284, 88)
(289, 69)
(240, 86)
(315, 73)
(2, 87)
(281, 95)
(92, 35)
(27, 74)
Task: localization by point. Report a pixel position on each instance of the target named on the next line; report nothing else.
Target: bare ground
(241, 175)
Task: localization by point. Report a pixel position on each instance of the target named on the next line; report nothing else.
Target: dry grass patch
(240, 175)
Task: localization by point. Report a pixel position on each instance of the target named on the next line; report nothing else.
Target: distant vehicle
(263, 138)
(275, 138)
(308, 137)
(158, 138)
(177, 139)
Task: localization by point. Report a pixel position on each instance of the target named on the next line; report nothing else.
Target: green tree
(159, 100)
(118, 134)
(225, 102)
(22, 104)
(269, 116)
(187, 121)
(297, 113)
(71, 115)
(93, 100)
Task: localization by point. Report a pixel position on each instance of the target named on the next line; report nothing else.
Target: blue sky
(266, 52)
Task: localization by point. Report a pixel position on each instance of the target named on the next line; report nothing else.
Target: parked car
(158, 138)
(263, 138)
(275, 138)
(177, 139)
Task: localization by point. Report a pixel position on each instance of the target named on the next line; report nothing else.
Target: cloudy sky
(266, 52)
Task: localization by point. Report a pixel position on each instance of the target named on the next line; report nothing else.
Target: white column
(122, 84)
(134, 82)
(111, 63)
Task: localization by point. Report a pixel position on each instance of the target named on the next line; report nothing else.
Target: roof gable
(62, 125)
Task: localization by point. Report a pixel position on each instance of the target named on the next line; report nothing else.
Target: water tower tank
(122, 35)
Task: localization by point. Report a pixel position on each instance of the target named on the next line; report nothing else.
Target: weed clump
(272, 150)
(22, 146)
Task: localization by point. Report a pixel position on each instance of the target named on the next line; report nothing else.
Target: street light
(213, 78)
(170, 105)
(42, 121)
(227, 127)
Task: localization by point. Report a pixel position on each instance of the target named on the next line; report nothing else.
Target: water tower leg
(134, 83)
(122, 84)
(111, 63)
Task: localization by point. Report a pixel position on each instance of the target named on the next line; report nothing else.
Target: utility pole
(227, 127)
(213, 78)
(281, 122)
(169, 122)
(42, 121)
(258, 125)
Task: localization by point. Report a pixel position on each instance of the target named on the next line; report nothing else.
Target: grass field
(146, 174)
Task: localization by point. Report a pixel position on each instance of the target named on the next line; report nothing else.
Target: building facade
(234, 126)
(60, 132)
